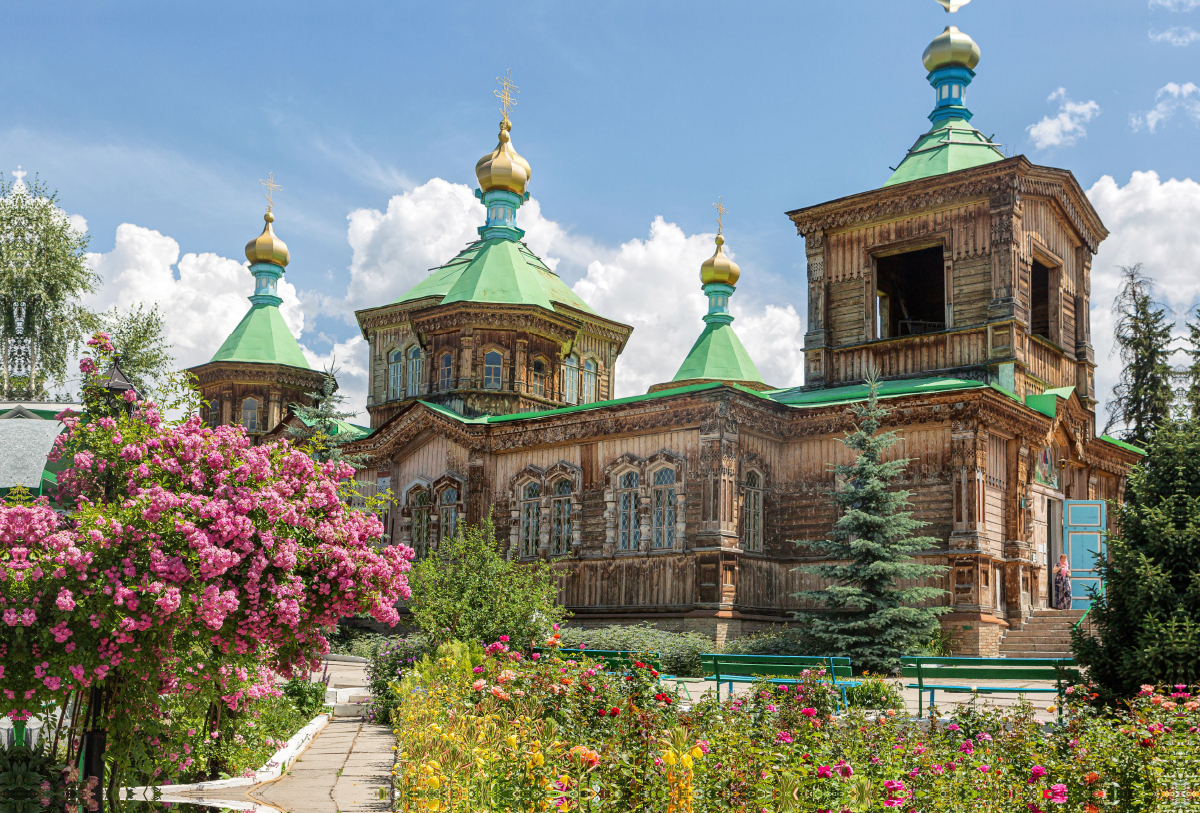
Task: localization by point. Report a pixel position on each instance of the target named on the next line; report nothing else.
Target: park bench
(933, 674)
(731, 669)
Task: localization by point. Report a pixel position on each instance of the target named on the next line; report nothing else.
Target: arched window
(250, 414)
(753, 505)
(420, 522)
(414, 372)
(560, 518)
(491, 370)
(570, 379)
(395, 374)
(629, 535)
(444, 370)
(537, 378)
(531, 517)
(663, 498)
(448, 514)
(214, 417)
(588, 382)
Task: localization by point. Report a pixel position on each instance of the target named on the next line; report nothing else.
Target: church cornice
(247, 372)
(1004, 180)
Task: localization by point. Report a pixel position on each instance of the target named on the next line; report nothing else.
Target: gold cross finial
(721, 210)
(505, 94)
(271, 187)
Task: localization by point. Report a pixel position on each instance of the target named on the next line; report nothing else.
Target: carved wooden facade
(253, 395)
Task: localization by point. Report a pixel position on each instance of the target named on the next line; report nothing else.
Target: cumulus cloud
(1066, 127)
(1179, 35)
(1170, 99)
(1151, 222)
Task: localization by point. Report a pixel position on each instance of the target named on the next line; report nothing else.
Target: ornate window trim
(558, 473)
(570, 375)
(516, 489)
(417, 509)
(249, 413)
(484, 379)
(539, 379)
(439, 488)
(751, 517)
(414, 370)
(589, 380)
(645, 469)
(394, 383)
(445, 370)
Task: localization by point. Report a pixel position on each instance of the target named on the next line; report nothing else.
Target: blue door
(1083, 541)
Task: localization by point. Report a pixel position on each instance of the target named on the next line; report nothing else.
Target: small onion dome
(719, 268)
(502, 168)
(951, 48)
(267, 248)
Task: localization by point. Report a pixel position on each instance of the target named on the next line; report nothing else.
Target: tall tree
(1189, 375)
(866, 614)
(322, 429)
(1143, 397)
(43, 276)
(139, 336)
(1147, 619)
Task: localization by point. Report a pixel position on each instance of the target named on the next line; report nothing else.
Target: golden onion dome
(951, 48)
(267, 248)
(719, 268)
(503, 168)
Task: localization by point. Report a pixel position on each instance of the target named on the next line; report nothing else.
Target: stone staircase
(1045, 634)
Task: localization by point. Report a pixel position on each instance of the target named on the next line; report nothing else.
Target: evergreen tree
(866, 614)
(1189, 376)
(1147, 619)
(321, 428)
(1143, 397)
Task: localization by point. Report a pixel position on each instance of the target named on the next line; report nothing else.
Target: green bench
(731, 669)
(932, 675)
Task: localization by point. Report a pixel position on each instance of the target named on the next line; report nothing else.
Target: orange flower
(1091, 808)
(1091, 777)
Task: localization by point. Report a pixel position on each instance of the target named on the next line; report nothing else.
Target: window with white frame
(419, 508)
(560, 518)
(491, 370)
(663, 503)
(448, 514)
(250, 414)
(444, 369)
(414, 371)
(570, 379)
(629, 534)
(395, 375)
(531, 517)
(588, 382)
(752, 505)
(537, 378)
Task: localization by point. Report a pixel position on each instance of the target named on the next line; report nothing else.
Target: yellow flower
(686, 761)
(668, 757)
(696, 752)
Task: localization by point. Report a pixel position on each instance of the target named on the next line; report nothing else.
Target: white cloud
(1152, 222)
(1176, 5)
(1065, 128)
(78, 223)
(350, 359)
(1179, 35)
(1170, 99)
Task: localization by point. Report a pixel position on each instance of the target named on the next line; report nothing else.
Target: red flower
(614, 711)
(600, 712)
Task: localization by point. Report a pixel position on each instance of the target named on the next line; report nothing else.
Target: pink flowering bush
(193, 565)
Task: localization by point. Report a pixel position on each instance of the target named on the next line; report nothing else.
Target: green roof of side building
(950, 146)
(718, 355)
(498, 271)
(263, 337)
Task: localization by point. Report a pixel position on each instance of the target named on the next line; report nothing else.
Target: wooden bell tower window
(910, 297)
(1039, 300)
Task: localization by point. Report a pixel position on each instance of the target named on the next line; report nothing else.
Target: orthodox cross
(19, 174)
(721, 210)
(271, 187)
(952, 6)
(505, 94)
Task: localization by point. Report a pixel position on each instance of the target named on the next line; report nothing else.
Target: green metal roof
(1047, 402)
(952, 145)
(499, 271)
(263, 337)
(718, 354)
(797, 397)
(343, 428)
(1123, 445)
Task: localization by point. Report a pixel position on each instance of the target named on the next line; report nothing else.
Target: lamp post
(115, 384)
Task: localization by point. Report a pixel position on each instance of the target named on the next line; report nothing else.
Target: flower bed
(494, 731)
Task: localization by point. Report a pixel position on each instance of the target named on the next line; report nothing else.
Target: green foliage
(867, 615)
(466, 590)
(875, 692)
(43, 276)
(1147, 619)
(320, 429)
(308, 697)
(139, 336)
(1190, 375)
(939, 645)
(347, 640)
(23, 771)
(453, 661)
(390, 663)
(1142, 398)
(776, 641)
(679, 652)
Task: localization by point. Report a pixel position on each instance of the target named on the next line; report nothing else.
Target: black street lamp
(115, 384)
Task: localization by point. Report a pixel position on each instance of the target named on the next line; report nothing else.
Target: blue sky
(165, 116)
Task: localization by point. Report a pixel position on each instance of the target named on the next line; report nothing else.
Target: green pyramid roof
(500, 271)
(262, 336)
(951, 145)
(718, 355)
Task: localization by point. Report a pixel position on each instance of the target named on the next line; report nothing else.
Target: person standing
(1062, 584)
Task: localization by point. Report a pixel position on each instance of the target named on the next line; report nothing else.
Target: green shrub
(23, 771)
(306, 696)
(777, 641)
(358, 642)
(679, 652)
(874, 692)
(390, 663)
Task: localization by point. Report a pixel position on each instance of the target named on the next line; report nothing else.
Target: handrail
(1080, 621)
